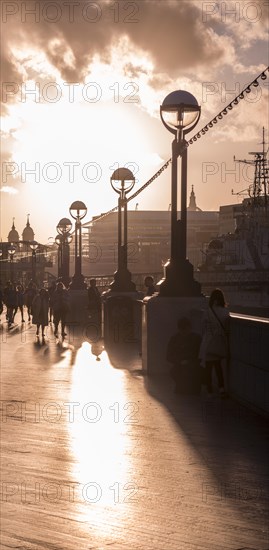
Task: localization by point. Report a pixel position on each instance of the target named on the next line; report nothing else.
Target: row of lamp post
(122, 181)
(179, 113)
(78, 211)
(63, 239)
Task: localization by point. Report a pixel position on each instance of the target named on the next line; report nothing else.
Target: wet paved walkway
(96, 456)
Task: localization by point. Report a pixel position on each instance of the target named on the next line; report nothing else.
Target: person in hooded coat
(40, 311)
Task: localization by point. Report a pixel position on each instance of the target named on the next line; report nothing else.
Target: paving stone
(95, 455)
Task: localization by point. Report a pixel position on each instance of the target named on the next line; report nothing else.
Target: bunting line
(255, 83)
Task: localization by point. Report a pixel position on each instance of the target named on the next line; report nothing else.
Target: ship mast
(259, 189)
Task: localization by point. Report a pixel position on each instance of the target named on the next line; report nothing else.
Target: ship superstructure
(238, 261)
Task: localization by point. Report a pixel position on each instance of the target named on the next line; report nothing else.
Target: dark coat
(29, 296)
(94, 299)
(10, 297)
(40, 308)
(60, 301)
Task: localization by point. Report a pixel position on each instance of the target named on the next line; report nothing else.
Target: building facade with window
(148, 240)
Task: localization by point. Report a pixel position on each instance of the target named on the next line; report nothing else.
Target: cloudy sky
(82, 83)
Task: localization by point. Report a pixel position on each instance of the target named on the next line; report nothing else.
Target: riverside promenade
(97, 456)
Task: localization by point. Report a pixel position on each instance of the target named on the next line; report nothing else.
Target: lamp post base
(178, 280)
(77, 283)
(122, 282)
(159, 323)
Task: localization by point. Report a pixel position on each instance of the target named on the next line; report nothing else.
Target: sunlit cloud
(90, 94)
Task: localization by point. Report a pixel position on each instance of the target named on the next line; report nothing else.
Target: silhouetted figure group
(15, 297)
(194, 358)
(42, 305)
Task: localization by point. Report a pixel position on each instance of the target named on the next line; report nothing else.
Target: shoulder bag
(218, 345)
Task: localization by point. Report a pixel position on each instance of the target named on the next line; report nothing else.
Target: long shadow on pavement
(231, 440)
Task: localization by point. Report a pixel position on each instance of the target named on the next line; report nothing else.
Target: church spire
(13, 236)
(192, 204)
(28, 234)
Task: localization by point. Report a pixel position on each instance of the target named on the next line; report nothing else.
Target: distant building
(192, 204)
(28, 233)
(22, 263)
(227, 218)
(148, 240)
(13, 236)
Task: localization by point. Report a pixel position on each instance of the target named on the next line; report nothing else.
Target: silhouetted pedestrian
(1, 301)
(215, 344)
(20, 301)
(40, 309)
(149, 283)
(94, 307)
(29, 294)
(51, 290)
(11, 301)
(61, 307)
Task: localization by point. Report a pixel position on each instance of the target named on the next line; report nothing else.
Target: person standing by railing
(215, 343)
(149, 283)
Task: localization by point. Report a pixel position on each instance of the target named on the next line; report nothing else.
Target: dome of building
(13, 236)
(28, 234)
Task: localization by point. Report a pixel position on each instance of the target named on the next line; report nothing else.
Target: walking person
(94, 304)
(29, 295)
(40, 311)
(20, 302)
(11, 301)
(1, 301)
(61, 307)
(51, 290)
(215, 344)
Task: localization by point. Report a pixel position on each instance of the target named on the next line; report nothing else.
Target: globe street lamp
(179, 113)
(78, 211)
(63, 240)
(122, 181)
(34, 247)
(11, 251)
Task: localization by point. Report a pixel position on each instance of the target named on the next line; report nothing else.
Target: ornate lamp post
(11, 251)
(78, 211)
(122, 181)
(34, 247)
(179, 113)
(63, 240)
